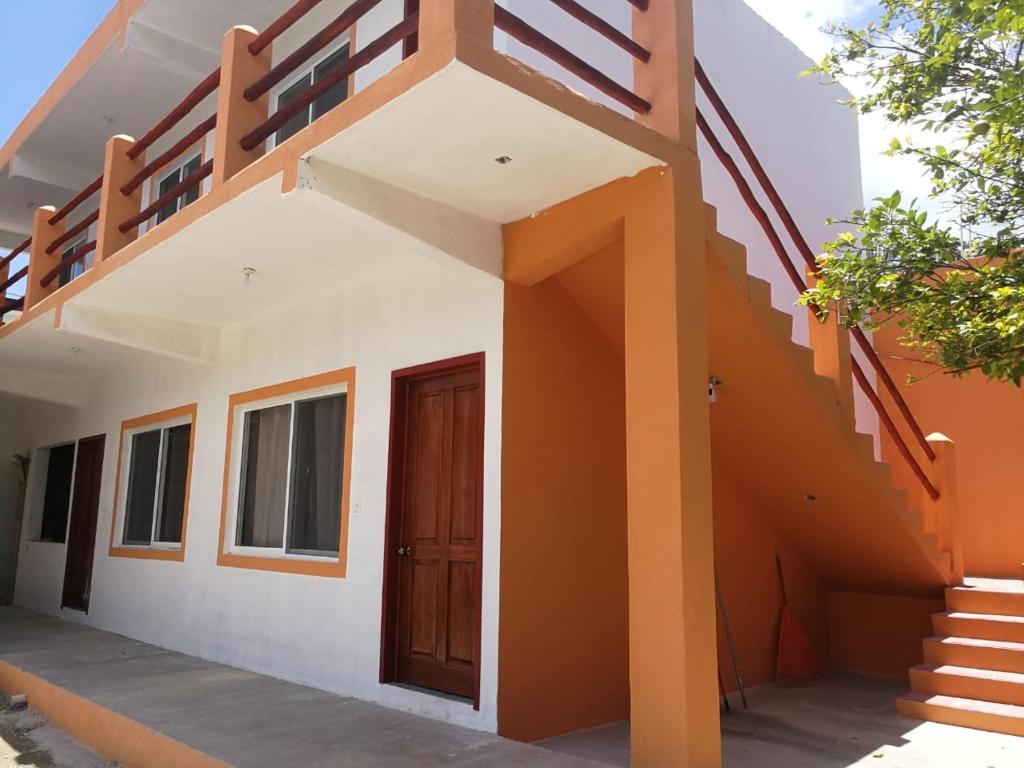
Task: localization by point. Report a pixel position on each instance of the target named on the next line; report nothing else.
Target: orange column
(443, 22)
(944, 513)
(673, 688)
(40, 262)
(235, 116)
(667, 80)
(830, 343)
(116, 208)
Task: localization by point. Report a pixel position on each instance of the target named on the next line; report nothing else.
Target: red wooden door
(439, 538)
(85, 505)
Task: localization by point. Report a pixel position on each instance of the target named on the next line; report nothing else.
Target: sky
(29, 63)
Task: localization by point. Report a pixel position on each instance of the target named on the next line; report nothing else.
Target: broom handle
(729, 643)
(782, 581)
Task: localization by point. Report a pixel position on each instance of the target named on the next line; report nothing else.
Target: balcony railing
(131, 192)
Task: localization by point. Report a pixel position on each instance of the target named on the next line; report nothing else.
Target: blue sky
(37, 38)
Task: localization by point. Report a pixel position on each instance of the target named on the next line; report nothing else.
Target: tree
(953, 68)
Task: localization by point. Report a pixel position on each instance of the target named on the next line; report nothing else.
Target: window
(57, 494)
(286, 494)
(170, 181)
(331, 98)
(70, 273)
(155, 468)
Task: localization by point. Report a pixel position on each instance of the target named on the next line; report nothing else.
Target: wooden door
(85, 505)
(436, 542)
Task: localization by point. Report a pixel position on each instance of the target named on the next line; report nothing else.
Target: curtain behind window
(172, 495)
(317, 465)
(142, 476)
(264, 475)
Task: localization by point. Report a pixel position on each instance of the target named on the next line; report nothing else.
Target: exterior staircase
(973, 670)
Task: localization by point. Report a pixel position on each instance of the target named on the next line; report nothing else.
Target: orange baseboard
(113, 736)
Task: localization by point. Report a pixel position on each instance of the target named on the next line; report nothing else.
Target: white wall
(805, 139)
(319, 631)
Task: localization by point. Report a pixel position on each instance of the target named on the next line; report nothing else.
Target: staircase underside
(777, 428)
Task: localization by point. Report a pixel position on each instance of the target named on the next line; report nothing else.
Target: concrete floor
(843, 720)
(253, 721)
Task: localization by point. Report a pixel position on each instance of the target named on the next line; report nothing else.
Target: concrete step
(968, 713)
(983, 626)
(992, 598)
(976, 654)
(968, 683)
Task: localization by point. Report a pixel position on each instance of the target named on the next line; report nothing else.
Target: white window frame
(237, 439)
(125, 475)
(306, 71)
(178, 168)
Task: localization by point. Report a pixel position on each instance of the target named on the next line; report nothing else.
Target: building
(374, 347)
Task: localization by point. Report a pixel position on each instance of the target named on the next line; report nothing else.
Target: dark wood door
(438, 553)
(85, 505)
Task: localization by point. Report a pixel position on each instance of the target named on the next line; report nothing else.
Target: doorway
(433, 543)
(85, 506)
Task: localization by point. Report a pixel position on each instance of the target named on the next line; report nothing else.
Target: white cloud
(803, 21)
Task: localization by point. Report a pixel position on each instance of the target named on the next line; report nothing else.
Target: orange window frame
(327, 567)
(153, 553)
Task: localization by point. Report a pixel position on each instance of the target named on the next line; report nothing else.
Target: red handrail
(11, 304)
(890, 427)
(363, 57)
(186, 141)
(321, 39)
(77, 256)
(78, 229)
(769, 229)
(804, 248)
(77, 200)
(190, 102)
(602, 27)
(22, 247)
(283, 22)
(532, 38)
(13, 278)
(170, 195)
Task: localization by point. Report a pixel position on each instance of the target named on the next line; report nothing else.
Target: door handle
(404, 551)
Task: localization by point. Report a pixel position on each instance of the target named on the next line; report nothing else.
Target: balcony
(392, 132)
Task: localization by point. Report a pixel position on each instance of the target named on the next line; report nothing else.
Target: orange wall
(985, 420)
(563, 625)
(745, 547)
(879, 634)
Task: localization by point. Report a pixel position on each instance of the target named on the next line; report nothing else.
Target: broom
(798, 661)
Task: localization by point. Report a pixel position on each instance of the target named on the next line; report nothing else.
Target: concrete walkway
(242, 718)
(841, 721)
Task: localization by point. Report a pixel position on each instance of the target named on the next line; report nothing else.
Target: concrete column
(672, 654)
(116, 208)
(236, 117)
(830, 343)
(667, 81)
(444, 22)
(39, 261)
(944, 513)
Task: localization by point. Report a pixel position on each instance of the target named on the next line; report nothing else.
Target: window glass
(318, 452)
(264, 477)
(70, 273)
(299, 121)
(142, 478)
(57, 496)
(338, 92)
(170, 181)
(174, 477)
(325, 102)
